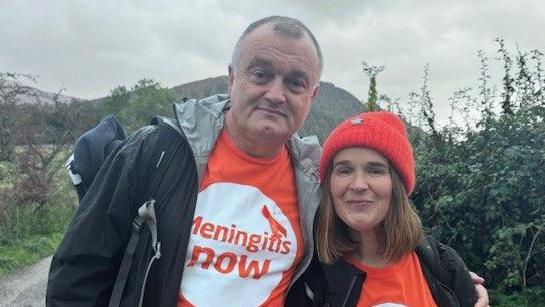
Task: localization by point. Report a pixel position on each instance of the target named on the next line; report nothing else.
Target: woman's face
(361, 187)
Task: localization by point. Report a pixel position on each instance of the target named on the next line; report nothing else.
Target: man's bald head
(281, 25)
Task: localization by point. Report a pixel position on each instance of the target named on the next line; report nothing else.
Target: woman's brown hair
(401, 228)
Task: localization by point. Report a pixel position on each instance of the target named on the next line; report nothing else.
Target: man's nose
(276, 92)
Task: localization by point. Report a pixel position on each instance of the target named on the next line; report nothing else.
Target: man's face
(272, 85)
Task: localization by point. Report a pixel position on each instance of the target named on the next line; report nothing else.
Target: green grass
(29, 232)
(29, 236)
(28, 251)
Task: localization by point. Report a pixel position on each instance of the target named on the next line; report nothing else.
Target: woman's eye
(376, 171)
(343, 171)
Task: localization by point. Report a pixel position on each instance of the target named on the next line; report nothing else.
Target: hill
(33, 95)
(330, 107)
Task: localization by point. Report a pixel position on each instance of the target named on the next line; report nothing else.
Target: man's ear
(230, 79)
(315, 93)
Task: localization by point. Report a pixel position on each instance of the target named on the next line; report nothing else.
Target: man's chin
(274, 134)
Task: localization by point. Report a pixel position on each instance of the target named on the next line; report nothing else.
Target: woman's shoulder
(434, 252)
(443, 267)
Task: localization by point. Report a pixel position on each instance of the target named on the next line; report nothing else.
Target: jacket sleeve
(310, 289)
(459, 280)
(85, 265)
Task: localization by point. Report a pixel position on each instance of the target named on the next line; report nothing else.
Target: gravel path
(25, 287)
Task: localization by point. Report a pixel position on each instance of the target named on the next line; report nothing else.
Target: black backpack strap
(428, 252)
(430, 259)
(168, 131)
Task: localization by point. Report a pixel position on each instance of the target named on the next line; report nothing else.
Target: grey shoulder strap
(146, 214)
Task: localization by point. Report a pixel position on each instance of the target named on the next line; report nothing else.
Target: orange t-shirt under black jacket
(340, 284)
(85, 266)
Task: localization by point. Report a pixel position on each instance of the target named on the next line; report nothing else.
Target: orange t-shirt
(401, 284)
(245, 239)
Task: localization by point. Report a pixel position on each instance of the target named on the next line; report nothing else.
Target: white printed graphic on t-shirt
(240, 245)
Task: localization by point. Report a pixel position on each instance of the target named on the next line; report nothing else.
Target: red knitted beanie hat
(381, 131)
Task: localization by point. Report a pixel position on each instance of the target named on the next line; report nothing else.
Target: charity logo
(241, 243)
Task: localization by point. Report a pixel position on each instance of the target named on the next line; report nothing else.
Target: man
(237, 229)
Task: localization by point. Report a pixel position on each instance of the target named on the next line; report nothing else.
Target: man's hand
(482, 294)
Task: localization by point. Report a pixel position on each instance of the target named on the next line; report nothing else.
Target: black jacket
(340, 283)
(85, 266)
(81, 271)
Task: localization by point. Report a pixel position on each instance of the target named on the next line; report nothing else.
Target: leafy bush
(480, 183)
(528, 297)
(18, 221)
(29, 232)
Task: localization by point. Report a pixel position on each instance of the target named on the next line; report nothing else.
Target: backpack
(91, 150)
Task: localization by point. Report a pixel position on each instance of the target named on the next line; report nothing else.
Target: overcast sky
(90, 47)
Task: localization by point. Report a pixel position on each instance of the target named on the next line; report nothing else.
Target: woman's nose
(359, 183)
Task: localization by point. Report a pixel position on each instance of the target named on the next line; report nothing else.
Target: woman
(369, 239)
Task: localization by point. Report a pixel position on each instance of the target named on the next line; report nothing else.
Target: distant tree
(372, 71)
(116, 101)
(43, 130)
(421, 110)
(508, 80)
(11, 89)
(148, 98)
(135, 107)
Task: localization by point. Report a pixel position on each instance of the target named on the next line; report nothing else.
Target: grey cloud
(93, 46)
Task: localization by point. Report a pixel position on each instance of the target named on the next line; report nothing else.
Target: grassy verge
(27, 251)
(28, 236)
(28, 231)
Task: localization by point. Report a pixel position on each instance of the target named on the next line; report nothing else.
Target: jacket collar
(205, 117)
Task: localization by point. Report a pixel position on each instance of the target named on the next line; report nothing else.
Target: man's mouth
(272, 111)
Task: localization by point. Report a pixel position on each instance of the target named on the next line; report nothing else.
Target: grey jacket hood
(205, 117)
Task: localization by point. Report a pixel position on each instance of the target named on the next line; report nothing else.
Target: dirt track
(25, 287)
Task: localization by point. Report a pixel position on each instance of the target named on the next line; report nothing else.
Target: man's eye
(296, 84)
(260, 75)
